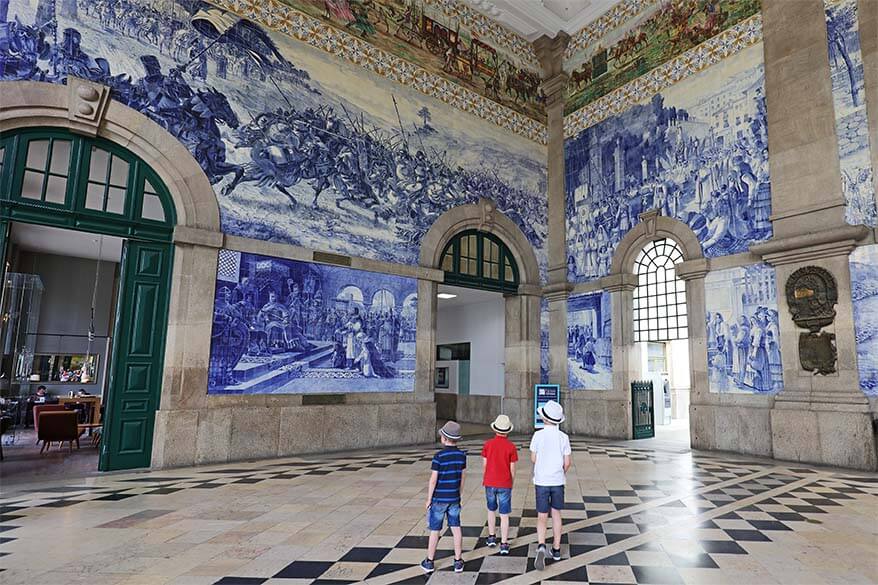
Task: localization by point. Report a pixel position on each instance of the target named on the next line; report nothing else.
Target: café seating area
(71, 422)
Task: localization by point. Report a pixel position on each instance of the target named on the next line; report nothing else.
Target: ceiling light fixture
(446, 296)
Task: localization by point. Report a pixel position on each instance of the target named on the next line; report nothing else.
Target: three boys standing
(551, 457)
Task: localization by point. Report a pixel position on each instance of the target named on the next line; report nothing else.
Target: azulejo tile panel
(302, 147)
(590, 342)
(650, 37)
(613, 18)
(288, 327)
(713, 51)
(864, 292)
(851, 121)
(743, 331)
(440, 41)
(697, 151)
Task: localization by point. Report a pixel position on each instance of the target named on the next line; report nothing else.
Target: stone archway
(522, 337)
(86, 108)
(621, 283)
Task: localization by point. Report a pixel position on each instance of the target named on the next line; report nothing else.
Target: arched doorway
(656, 285)
(483, 253)
(661, 328)
(52, 177)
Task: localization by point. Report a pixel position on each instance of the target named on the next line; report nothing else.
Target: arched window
(660, 297)
(81, 182)
(480, 260)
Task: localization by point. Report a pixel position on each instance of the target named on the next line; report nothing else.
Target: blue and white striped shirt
(450, 463)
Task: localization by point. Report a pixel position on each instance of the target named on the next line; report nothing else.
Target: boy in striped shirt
(443, 495)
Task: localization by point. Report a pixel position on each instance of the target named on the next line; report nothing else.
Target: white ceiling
(465, 296)
(61, 242)
(535, 18)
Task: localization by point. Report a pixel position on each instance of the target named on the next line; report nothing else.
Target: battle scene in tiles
(289, 327)
(697, 152)
(296, 153)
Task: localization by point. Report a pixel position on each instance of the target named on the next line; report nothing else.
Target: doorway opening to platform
(661, 329)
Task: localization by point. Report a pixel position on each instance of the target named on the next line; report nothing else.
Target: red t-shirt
(499, 453)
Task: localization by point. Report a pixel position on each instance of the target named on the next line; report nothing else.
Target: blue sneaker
(458, 565)
(491, 540)
(556, 554)
(504, 548)
(427, 566)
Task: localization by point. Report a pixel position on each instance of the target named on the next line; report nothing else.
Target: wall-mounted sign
(543, 393)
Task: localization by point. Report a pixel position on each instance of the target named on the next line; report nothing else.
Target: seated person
(41, 395)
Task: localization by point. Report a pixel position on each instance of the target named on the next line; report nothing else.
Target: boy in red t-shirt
(499, 456)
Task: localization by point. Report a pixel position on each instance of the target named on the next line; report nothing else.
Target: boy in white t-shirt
(550, 453)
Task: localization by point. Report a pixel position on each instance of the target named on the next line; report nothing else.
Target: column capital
(530, 290)
(557, 291)
(620, 282)
(693, 269)
(807, 247)
(198, 237)
(550, 52)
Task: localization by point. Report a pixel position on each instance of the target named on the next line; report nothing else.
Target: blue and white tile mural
(849, 99)
(590, 342)
(743, 335)
(864, 293)
(297, 151)
(698, 151)
(284, 326)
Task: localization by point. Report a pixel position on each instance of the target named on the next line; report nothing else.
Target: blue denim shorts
(549, 497)
(499, 498)
(439, 511)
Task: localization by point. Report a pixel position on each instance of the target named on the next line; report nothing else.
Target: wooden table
(93, 401)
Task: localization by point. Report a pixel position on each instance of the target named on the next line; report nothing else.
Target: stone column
(187, 353)
(425, 344)
(522, 369)
(821, 419)
(867, 11)
(805, 177)
(701, 415)
(550, 51)
(608, 413)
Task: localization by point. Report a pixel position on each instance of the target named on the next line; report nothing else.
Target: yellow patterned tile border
(284, 19)
(729, 42)
(608, 21)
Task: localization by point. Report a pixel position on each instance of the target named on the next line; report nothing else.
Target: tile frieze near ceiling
(496, 77)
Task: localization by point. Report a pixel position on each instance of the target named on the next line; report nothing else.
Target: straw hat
(502, 425)
(552, 412)
(451, 431)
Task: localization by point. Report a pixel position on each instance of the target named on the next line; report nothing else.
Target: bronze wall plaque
(811, 295)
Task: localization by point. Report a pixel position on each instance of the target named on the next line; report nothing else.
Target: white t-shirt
(550, 446)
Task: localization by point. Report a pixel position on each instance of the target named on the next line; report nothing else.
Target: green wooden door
(642, 412)
(138, 353)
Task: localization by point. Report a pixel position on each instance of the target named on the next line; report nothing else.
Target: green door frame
(56, 178)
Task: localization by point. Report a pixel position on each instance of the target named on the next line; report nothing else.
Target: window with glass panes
(82, 180)
(480, 260)
(660, 297)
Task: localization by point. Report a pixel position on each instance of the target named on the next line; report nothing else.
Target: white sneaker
(540, 560)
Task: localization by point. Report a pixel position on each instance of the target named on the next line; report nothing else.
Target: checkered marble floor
(634, 515)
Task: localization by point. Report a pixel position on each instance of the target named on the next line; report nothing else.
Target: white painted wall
(483, 325)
